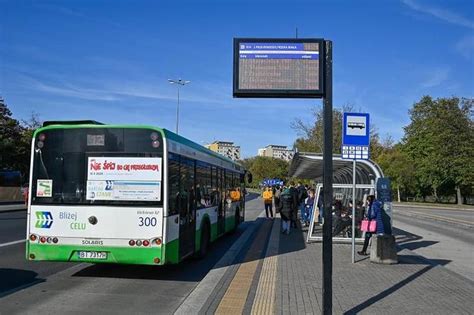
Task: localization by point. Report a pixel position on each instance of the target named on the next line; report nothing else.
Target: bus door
(221, 207)
(187, 208)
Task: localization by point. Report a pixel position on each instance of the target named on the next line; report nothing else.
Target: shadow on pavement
(387, 292)
(293, 242)
(188, 270)
(407, 260)
(410, 241)
(251, 196)
(416, 245)
(403, 236)
(13, 280)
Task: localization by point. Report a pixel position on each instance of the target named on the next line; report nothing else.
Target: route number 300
(146, 221)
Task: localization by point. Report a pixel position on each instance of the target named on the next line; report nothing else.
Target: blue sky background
(110, 61)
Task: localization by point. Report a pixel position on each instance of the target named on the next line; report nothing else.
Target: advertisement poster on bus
(131, 179)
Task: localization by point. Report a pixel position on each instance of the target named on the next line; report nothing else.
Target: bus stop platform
(274, 273)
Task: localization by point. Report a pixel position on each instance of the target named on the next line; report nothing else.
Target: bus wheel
(205, 240)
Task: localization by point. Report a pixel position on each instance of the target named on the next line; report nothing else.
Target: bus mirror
(249, 177)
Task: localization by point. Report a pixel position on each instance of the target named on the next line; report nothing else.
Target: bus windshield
(99, 166)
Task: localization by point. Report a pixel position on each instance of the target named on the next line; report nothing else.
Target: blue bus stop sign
(355, 136)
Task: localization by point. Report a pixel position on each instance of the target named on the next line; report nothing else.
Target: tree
(311, 136)
(440, 142)
(10, 136)
(263, 167)
(398, 166)
(15, 140)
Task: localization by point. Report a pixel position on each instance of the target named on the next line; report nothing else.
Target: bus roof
(165, 132)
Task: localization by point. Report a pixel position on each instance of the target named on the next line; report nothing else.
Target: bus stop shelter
(310, 166)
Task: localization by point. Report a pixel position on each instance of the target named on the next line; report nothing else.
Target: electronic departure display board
(269, 67)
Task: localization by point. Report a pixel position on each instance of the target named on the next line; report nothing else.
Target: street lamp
(179, 83)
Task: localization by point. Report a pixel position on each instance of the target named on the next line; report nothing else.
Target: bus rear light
(40, 144)
(139, 243)
(131, 242)
(41, 137)
(155, 144)
(43, 239)
(156, 260)
(146, 243)
(55, 240)
(158, 241)
(32, 256)
(33, 237)
(49, 239)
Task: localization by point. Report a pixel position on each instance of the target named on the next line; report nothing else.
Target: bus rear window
(100, 166)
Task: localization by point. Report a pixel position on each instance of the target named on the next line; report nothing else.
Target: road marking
(12, 243)
(439, 218)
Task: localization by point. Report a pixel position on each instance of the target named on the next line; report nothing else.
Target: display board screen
(278, 67)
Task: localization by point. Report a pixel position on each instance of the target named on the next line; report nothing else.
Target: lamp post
(179, 83)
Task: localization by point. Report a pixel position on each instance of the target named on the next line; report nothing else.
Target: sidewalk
(285, 277)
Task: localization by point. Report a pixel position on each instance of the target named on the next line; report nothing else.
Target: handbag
(368, 225)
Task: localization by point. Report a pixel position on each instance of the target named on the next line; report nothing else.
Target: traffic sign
(355, 136)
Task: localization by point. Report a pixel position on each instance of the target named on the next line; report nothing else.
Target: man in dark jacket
(286, 207)
(294, 215)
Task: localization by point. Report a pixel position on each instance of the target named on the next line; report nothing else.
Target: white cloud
(465, 47)
(440, 13)
(436, 77)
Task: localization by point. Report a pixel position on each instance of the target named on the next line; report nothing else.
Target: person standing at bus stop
(286, 207)
(374, 212)
(268, 200)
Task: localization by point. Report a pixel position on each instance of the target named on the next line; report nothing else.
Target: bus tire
(205, 240)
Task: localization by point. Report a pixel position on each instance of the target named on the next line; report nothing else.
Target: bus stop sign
(355, 136)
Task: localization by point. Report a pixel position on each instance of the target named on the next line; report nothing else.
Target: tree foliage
(440, 142)
(311, 136)
(15, 140)
(263, 167)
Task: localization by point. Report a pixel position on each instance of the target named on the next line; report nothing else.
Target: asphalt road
(444, 236)
(48, 287)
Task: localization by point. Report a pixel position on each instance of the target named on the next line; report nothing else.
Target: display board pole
(353, 208)
(327, 182)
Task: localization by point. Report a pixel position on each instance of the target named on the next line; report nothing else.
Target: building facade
(225, 148)
(277, 151)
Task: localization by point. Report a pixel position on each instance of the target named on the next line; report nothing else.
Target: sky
(109, 60)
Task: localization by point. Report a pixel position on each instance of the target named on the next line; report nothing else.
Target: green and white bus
(127, 194)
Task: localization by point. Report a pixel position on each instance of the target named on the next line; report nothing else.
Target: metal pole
(353, 209)
(327, 183)
(177, 113)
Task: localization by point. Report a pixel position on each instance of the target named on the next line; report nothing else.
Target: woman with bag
(372, 223)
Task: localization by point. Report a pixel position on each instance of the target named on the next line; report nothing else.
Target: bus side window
(174, 182)
(214, 187)
(203, 183)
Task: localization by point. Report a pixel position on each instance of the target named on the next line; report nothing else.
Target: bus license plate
(92, 255)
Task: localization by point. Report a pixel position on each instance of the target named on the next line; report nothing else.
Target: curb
(432, 206)
(437, 218)
(198, 297)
